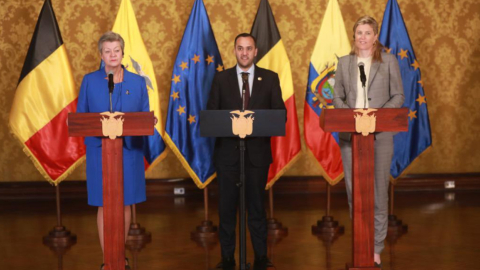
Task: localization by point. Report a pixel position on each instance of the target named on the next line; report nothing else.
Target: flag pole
(276, 232)
(207, 244)
(327, 225)
(205, 201)
(328, 240)
(206, 231)
(59, 235)
(60, 249)
(136, 232)
(395, 226)
(135, 247)
(274, 227)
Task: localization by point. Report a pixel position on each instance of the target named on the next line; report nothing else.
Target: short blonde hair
(110, 37)
(377, 46)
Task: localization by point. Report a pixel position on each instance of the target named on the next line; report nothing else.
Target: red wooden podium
(90, 124)
(343, 120)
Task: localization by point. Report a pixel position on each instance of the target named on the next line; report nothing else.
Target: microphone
(363, 77)
(111, 85)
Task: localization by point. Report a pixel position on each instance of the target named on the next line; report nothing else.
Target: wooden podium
(90, 124)
(343, 120)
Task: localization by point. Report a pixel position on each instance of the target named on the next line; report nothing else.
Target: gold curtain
(445, 35)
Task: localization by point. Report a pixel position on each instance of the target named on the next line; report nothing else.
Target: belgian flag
(45, 95)
(273, 56)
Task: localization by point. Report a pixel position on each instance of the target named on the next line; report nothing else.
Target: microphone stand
(241, 184)
(364, 96)
(111, 110)
(363, 79)
(111, 85)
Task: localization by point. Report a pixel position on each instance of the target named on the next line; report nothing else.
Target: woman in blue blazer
(129, 95)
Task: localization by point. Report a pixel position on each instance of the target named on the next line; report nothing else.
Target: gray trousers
(383, 160)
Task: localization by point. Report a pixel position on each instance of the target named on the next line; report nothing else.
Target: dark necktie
(246, 86)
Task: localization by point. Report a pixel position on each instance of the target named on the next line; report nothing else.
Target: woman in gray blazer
(381, 88)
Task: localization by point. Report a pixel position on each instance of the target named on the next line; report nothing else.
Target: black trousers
(255, 182)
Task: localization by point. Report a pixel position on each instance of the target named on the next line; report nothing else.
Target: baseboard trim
(286, 185)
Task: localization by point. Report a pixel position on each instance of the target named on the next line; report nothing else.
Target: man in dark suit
(262, 92)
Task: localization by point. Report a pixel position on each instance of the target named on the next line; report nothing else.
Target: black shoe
(227, 263)
(262, 263)
(379, 265)
(127, 264)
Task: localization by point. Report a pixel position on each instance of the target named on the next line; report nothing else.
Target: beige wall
(445, 35)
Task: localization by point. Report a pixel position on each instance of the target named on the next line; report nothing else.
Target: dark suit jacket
(225, 95)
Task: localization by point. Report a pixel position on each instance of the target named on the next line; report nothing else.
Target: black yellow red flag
(272, 55)
(44, 96)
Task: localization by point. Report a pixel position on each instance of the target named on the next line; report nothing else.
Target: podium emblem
(365, 123)
(242, 123)
(112, 124)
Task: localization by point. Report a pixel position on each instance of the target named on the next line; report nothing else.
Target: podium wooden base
(327, 226)
(139, 234)
(59, 236)
(348, 267)
(275, 228)
(205, 230)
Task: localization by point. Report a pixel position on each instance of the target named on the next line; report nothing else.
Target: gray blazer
(385, 89)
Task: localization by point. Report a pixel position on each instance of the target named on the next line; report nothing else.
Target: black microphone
(111, 85)
(363, 77)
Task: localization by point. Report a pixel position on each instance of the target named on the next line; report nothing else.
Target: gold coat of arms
(112, 124)
(365, 123)
(242, 123)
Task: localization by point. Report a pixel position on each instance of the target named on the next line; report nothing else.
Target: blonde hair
(377, 46)
(110, 37)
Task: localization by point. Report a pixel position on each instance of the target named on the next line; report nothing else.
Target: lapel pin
(128, 92)
(259, 78)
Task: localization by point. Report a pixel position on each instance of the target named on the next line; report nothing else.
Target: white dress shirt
(360, 95)
(250, 72)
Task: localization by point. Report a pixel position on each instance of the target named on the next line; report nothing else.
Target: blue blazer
(94, 97)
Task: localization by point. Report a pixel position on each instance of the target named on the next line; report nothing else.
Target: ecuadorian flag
(332, 43)
(197, 61)
(136, 60)
(45, 95)
(273, 56)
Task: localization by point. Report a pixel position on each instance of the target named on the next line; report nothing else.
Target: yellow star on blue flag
(190, 95)
(407, 145)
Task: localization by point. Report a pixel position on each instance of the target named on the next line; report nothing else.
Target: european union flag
(198, 60)
(408, 145)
